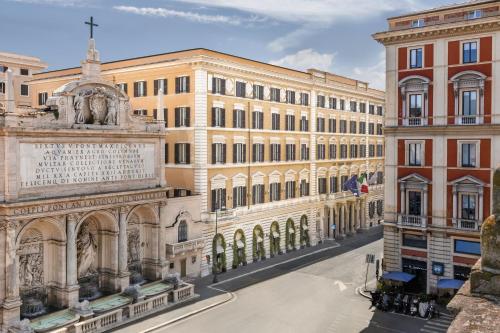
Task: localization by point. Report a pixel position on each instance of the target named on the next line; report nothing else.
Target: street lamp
(216, 268)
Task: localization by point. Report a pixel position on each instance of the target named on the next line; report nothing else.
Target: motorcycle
(432, 311)
(406, 304)
(386, 302)
(414, 306)
(423, 307)
(375, 297)
(398, 303)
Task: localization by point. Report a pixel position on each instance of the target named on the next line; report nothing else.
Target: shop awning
(450, 284)
(398, 276)
(259, 239)
(276, 234)
(239, 244)
(220, 249)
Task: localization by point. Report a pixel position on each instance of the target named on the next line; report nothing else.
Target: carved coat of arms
(95, 106)
(98, 106)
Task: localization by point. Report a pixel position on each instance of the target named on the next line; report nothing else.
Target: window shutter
(254, 115)
(136, 89)
(235, 193)
(165, 86)
(244, 153)
(261, 117)
(234, 153)
(166, 153)
(213, 153)
(243, 119)
(214, 199)
(188, 117)
(165, 116)
(187, 84)
(214, 87)
(188, 153)
(177, 117)
(125, 88)
(224, 153)
(39, 98)
(223, 87)
(271, 153)
(145, 88)
(254, 155)
(223, 117)
(223, 198)
(177, 85)
(213, 117)
(279, 152)
(176, 153)
(155, 114)
(156, 84)
(234, 118)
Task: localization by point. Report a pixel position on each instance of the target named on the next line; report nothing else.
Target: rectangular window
(3, 69)
(468, 207)
(371, 128)
(257, 120)
(380, 177)
(320, 124)
(416, 58)
(218, 199)
(2, 87)
(475, 14)
(258, 152)
(343, 180)
(417, 23)
(24, 71)
(258, 92)
(182, 153)
(241, 88)
(342, 104)
(140, 89)
(304, 99)
(239, 196)
(371, 150)
(321, 101)
(290, 122)
(467, 247)
(380, 150)
(160, 84)
(290, 97)
(415, 154)
(275, 121)
(182, 116)
(343, 151)
(165, 157)
(380, 110)
(218, 86)
(362, 107)
(322, 185)
(333, 103)
(371, 109)
(414, 203)
(290, 152)
(290, 190)
(274, 192)
(461, 272)
(469, 52)
(42, 98)
(353, 126)
(258, 194)
(362, 127)
(239, 153)
(181, 85)
(469, 103)
(418, 241)
(275, 152)
(354, 106)
(275, 95)
(415, 106)
(123, 87)
(304, 152)
(468, 152)
(218, 117)
(140, 112)
(343, 126)
(238, 118)
(332, 151)
(304, 188)
(353, 151)
(379, 129)
(304, 124)
(218, 153)
(362, 150)
(321, 151)
(332, 125)
(25, 91)
(333, 184)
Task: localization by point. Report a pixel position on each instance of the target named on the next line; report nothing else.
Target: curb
(363, 293)
(189, 314)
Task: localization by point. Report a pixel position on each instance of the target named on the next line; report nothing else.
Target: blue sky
(332, 35)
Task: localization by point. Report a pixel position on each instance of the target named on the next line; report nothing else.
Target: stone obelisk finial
(91, 66)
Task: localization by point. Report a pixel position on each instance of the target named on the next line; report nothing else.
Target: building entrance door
(419, 269)
(183, 267)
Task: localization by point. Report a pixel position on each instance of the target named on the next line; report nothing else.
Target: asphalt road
(315, 293)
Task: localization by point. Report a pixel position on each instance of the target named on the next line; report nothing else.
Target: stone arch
(290, 235)
(304, 232)
(219, 253)
(239, 249)
(97, 254)
(258, 249)
(274, 239)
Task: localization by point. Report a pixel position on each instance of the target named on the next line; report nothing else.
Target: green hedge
(237, 260)
(304, 234)
(262, 249)
(290, 238)
(218, 265)
(274, 244)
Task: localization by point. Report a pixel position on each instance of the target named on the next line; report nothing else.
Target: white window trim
(461, 50)
(478, 153)
(219, 139)
(422, 152)
(409, 57)
(460, 254)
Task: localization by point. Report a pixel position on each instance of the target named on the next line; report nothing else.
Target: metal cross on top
(92, 25)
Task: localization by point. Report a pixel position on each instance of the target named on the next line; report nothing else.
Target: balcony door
(414, 203)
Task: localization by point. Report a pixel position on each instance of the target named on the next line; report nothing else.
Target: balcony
(412, 221)
(467, 225)
(468, 120)
(190, 245)
(415, 121)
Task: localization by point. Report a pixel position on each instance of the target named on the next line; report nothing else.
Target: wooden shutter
(176, 156)
(213, 117)
(155, 114)
(253, 194)
(213, 153)
(214, 87)
(145, 88)
(166, 153)
(223, 117)
(254, 153)
(214, 197)
(125, 88)
(254, 116)
(188, 153)
(261, 117)
(224, 153)
(177, 85)
(165, 116)
(235, 193)
(188, 117)
(156, 86)
(234, 153)
(235, 113)
(136, 89)
(40, 99)
(244, 153)
(177, 117)
(187, 84)
(223, 87)
(243, 119)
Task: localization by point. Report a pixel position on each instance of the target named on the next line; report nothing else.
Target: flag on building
(352, 185)
(373, 179)
(363, 183)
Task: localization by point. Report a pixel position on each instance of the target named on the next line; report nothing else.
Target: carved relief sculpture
(86, 251)
(31, 260)
(95, 106)
(134, 246)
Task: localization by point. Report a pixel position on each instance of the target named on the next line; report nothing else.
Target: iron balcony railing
(464, 224)
(412, 220)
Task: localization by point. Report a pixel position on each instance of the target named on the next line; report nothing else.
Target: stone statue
(87, 251)
(134, 246)
(490, 233)
(78, 104)
(112, 112)
(31, 260)
(98, 105)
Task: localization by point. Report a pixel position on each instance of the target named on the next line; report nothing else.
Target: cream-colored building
(267, 148)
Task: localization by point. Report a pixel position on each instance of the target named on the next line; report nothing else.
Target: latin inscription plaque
(51, 164)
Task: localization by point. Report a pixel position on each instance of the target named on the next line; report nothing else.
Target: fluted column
(122, 241)
(71, 251)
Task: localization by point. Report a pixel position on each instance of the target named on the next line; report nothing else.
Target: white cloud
(190, 16)
(374, 74)
(292, 39)
(306, 59)
(62, 3)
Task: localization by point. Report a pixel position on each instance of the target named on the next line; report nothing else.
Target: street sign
(370, 258)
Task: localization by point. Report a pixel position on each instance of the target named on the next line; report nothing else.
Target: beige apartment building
(267, 148)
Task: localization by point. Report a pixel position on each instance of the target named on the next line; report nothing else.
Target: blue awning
(398, 276)
(450, 284)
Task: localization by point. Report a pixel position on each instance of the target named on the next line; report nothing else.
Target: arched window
(182, 233)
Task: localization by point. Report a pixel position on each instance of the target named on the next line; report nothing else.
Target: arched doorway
(239, 249)
(97, 255)
(219, 253)
(274, 239)
(258, 249)
(304, 232)
(40, 253)
(290, 235)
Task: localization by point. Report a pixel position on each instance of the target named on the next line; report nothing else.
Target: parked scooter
(406, 304)
(414, 306)
(423, 307)
(398, 303)
(375, 298)
(386, 302)
(432, 311)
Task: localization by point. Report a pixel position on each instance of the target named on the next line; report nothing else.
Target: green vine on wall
(219, 261)
(274, 243)
(262, 250)
(290, 237)
(237, 258)
(304, 234)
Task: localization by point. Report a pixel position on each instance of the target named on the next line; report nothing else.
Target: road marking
(277, 264)
(340, 284)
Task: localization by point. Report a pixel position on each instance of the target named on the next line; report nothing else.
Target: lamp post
(216, 268)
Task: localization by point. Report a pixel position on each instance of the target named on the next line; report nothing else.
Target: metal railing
(468, 120)
(414, 121)
(463, 224)
(189, 245)
(412, 220)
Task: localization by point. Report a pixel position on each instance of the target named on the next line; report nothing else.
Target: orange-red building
(442, 130)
